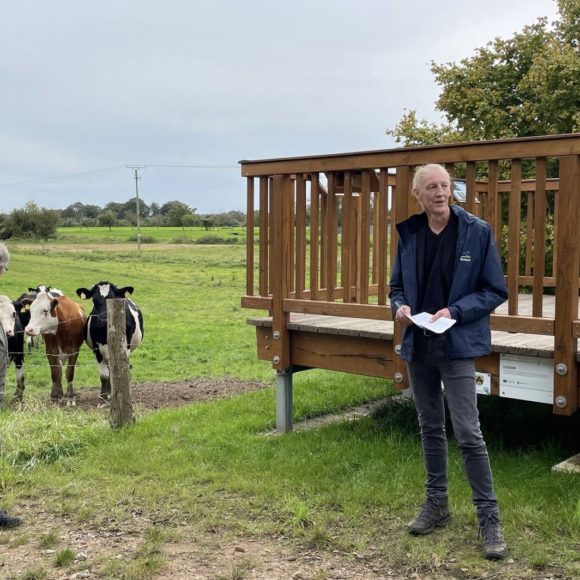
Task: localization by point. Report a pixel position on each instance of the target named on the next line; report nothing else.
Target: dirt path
(162, 395)
(101, 548)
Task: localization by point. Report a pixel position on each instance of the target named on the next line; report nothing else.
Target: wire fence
(63, 356)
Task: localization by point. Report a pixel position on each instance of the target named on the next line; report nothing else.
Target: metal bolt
(276, 335)
(398, 349)
(398, 377)
(276, 359)
(561, 369)
(561, 402)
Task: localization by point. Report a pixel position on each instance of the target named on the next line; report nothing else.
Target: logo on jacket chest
(465, 257)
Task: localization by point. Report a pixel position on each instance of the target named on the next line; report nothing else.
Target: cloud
(99, 84)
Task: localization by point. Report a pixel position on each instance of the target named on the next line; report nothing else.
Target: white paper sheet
(422, 320)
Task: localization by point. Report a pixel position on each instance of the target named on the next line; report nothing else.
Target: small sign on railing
(527, 378)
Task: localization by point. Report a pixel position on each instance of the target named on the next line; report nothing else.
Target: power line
(42, 180)
(197, 166)
(89, 174)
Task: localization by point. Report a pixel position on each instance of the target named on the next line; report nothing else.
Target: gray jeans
(427, 370)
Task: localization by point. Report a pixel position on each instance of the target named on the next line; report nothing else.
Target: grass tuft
(47, 540)
(239, 571)
(64, 558)
(36, 573)
(35, 434)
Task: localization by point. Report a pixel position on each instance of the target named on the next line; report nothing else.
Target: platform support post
(284, 401)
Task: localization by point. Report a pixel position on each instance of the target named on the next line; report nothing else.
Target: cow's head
(50, 289)
(7, 315)
(102, 291)
(43, 317)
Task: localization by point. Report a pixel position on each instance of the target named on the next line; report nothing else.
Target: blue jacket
(478, 285)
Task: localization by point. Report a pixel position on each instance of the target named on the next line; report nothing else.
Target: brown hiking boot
(434, 514)
(494, 546)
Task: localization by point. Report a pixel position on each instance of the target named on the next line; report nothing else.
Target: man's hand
(401, 315)
(443, 313)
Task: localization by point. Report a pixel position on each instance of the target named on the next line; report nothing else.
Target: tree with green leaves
(525, 85)
(176, 212)
(79, 214)
(33, 222)
(156, 217)
(116, 208)
(107, 219)
(130, 209)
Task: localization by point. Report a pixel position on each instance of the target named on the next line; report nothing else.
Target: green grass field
(349, 486)
(125, 234)
(190, 298)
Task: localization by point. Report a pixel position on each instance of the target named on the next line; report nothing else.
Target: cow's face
(7, 315)
(102, 291)
(43, 317)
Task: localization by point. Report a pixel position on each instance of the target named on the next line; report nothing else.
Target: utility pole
(136, 169)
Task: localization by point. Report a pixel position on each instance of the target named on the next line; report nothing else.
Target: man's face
(434, 192)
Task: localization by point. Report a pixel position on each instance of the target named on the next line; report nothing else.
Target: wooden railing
(326, 235)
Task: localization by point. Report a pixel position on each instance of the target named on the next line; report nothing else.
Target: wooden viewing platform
(320, 262)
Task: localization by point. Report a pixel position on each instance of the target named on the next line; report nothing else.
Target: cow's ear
(53, 304)
(83, 293)
(26, 302)
(124, 291)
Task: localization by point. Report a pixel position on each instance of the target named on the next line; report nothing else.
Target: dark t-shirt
(437, 261)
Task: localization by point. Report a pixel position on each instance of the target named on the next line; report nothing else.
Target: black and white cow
(96, 326)
(14, 331)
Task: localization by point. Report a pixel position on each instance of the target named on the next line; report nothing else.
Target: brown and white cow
(24, 312)
(61, 322)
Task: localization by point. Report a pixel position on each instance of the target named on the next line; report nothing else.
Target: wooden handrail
(523, 148)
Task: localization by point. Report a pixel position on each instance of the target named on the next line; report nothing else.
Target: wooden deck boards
(502, 342)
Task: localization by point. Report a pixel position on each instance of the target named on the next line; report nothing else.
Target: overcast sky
(88, 87)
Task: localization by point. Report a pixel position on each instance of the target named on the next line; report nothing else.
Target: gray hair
(4, 258)
(424, 169)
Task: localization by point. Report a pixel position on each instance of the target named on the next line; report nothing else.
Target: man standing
(6, 521)
(448, 265)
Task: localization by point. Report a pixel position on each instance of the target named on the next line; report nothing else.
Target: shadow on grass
(507, 424)
(525, 426)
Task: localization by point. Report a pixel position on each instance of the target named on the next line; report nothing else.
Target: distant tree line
(35, 222)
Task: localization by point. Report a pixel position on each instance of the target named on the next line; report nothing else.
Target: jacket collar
(412, 225)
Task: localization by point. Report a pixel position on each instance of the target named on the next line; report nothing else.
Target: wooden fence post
(401, 211)
(567, 271)
(121, 407)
